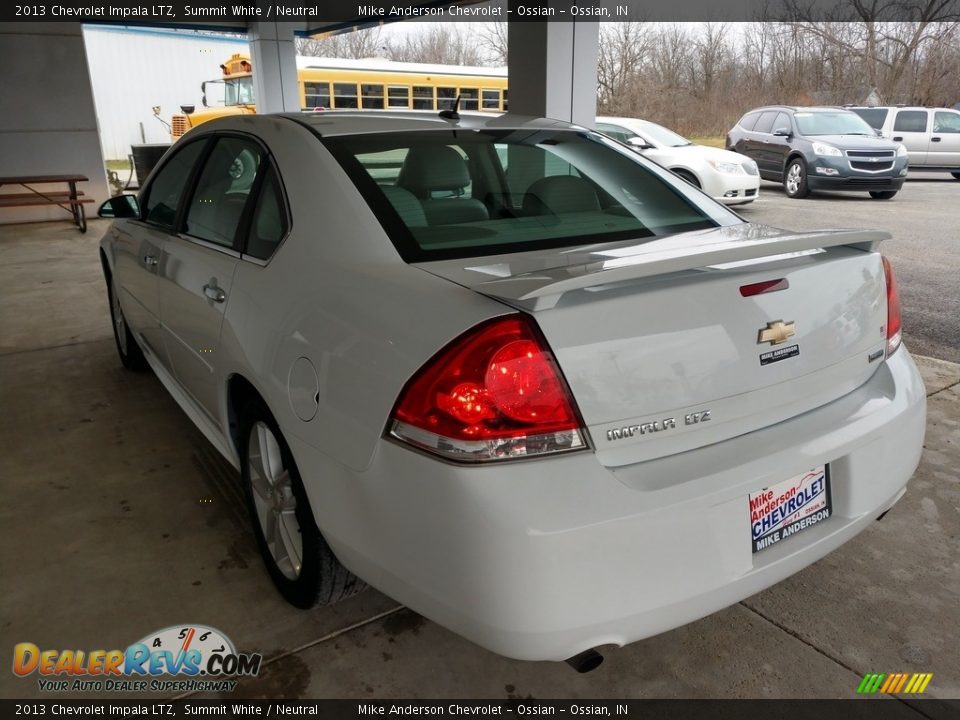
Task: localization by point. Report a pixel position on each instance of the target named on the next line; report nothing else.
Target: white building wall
(48, 125)
(133, 69)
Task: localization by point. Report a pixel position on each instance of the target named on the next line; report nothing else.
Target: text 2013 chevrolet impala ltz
(511, 373)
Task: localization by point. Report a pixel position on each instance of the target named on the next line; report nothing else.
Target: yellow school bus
(375, 84)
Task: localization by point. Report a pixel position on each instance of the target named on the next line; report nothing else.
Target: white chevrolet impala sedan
(511, 373)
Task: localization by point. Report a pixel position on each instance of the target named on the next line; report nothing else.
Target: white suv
(931, 135)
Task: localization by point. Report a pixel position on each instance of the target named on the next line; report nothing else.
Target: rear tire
(882, 194)
(300, 563)
(795, 179)
(130, 353)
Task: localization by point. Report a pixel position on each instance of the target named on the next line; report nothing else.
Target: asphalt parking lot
(924, 220)
(120, 519)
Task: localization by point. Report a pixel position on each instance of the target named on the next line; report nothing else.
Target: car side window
(911, 121)
(163, 195)
(749, 121)
(765, 122)
(269, 223)
(612, 131)
(783, 122)
(946, 122)
(222, 191)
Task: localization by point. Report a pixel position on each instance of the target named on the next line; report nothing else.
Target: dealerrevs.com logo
(180, 658)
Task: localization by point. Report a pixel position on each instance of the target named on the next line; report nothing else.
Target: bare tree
(441, 43)
(354, 45)
(493, 39)
(624, 48)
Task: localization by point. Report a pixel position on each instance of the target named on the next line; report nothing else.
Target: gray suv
(819, 148)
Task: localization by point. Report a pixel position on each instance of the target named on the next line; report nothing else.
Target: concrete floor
(119, 519)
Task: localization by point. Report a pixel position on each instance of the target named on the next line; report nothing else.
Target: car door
(944, 147)
(778, 147)
(139, 244)
(200, 262)
(759, 144)
(911, 127)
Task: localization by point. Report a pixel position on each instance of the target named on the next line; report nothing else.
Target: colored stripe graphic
(894, 683)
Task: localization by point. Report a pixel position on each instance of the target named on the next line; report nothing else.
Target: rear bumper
(540, 560)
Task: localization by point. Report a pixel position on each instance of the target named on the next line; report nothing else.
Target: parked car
(931, 135)
(724, 176)
(819, 148)
(511, 373)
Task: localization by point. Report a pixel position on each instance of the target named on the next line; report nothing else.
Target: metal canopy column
(553, 69)
(274, 59)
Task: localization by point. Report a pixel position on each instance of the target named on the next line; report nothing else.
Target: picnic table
(71, 200)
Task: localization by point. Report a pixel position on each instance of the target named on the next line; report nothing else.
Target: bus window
(345, 95)
(423, 98)
(238, 91)
(491, 99)
(446, 96)
(469, 99)
(372, 96)
(316, 94)
(398, 96)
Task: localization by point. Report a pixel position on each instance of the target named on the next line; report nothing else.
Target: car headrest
(435, 168)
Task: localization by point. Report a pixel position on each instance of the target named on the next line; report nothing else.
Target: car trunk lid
(665, 351)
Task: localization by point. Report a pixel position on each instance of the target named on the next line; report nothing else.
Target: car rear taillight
(494, 393)
(894, 336)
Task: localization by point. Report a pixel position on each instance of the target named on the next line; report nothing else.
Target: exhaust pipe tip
(587, 661)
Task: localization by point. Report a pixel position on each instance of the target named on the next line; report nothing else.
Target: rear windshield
(464, 193)
(841, 122)
(875, 117)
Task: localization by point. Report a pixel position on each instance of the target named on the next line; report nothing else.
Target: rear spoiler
(542, 289)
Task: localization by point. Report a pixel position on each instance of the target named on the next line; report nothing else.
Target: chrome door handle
(214, 293)
(150, 260)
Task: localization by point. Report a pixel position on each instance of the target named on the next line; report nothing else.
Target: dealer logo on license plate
(784, 509)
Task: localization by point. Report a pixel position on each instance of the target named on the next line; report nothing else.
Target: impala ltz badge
(776, 332)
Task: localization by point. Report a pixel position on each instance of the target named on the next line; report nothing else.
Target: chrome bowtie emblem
(776, 332)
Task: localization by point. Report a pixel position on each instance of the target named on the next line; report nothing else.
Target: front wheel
(688, 176)
(795, 179)
(882, 194)
(300, 563)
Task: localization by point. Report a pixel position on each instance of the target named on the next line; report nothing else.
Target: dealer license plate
(782, 510)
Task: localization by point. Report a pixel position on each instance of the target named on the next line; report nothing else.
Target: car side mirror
(639, 143)
(878, 132)
(121, 206)
(782, 132)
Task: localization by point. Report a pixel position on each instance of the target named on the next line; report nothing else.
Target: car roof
(800, 108)
(331, 123)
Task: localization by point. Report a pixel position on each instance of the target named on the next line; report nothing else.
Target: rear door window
(268, 225)
(911, 121)
(765, 122)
